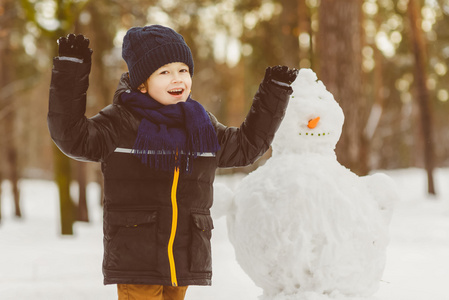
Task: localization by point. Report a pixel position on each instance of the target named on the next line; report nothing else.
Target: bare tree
(1, 180)
(422, 93)
(7, 100)
(289, 29)
(339, 42)
(305, 26)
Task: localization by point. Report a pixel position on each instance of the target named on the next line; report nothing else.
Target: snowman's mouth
(176, 92)
(314, 134)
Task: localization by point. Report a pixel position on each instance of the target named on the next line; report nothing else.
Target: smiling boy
(169, 84)
(159, 150)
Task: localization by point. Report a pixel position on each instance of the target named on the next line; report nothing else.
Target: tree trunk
(339, 50)
(235, 104)
(62, 177)
(422, 93)
(9, 134)
(1, 181)
(83, 213)
(3, 45)
(290, 32)
(13, 164)
(379, 102)
(304, 24)
(102, 41)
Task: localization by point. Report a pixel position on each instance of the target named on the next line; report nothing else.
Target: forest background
(385, 61)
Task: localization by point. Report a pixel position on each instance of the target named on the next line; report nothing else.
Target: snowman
(302, 224)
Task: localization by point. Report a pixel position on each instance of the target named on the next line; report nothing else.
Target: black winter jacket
(157, 225)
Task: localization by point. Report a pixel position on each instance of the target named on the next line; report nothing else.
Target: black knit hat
(146, 49)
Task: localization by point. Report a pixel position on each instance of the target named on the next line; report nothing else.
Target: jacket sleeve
(75, 135)
(242, 146)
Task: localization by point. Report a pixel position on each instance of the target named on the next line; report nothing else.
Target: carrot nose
(312, 123)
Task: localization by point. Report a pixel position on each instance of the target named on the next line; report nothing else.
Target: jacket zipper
(174, 226)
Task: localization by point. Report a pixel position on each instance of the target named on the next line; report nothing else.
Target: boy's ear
(142, 88)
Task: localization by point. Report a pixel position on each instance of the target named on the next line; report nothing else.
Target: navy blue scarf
(170, 136)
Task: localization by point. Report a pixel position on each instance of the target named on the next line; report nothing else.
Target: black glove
(281, 74)
(75, 46)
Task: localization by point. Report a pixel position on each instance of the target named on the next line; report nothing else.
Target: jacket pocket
(133, 246)
(200, 249)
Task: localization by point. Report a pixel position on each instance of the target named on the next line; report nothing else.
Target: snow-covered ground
(37, 263)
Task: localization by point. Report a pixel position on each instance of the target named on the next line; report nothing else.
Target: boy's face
(169, 84)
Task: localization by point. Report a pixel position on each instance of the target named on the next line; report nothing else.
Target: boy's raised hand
(75, 46)
(281, 74)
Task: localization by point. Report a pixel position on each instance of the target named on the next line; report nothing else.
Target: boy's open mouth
(176, 92)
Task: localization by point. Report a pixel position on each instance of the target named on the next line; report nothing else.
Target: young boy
(159, 150)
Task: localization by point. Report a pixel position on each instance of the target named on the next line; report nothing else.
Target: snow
(37, 263)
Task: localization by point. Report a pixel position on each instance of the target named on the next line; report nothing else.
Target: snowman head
(313, 120)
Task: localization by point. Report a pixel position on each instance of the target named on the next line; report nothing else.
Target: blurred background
(385, 61)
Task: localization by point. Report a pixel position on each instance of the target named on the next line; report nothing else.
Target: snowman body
(304, 223)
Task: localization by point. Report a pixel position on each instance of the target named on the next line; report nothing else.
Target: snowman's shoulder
(382, 186)
(379, 179)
